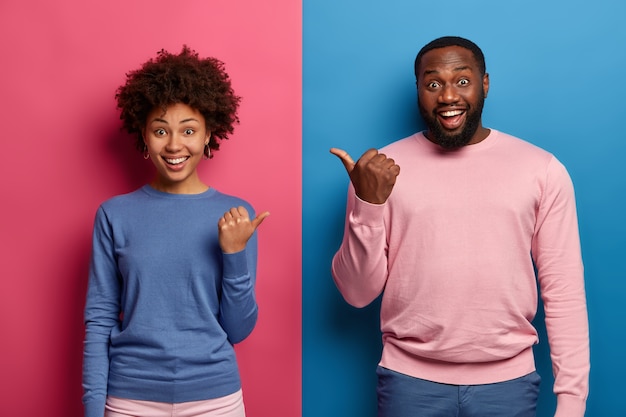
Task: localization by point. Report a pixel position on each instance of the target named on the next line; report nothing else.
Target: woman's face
(175, 140)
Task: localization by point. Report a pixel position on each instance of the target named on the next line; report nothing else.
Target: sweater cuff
(569, 406)
(235, 264)
(94, 408)
(367, 214)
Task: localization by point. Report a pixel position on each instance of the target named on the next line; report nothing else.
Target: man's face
(451, 93)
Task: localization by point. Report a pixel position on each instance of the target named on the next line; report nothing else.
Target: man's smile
(451, 119)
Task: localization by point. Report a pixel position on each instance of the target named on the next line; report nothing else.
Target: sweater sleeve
(359, 267)
(102, 311)
(557, 255)
(238, 306)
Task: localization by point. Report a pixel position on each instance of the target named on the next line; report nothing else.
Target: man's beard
(458, 140)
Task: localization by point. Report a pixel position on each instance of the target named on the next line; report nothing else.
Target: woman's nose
(174, 142)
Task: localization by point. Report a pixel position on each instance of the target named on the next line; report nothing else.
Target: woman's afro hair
(200, 83)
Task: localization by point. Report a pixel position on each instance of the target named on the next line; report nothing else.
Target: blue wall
(557, 80)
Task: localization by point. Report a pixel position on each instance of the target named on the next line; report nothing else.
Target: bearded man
(456, 242)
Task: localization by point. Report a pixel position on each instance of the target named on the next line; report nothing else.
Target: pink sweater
(451, 249)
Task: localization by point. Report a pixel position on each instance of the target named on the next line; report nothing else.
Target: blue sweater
(164, 304)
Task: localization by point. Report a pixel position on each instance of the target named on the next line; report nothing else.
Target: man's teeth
(451, 113)
(175, 161)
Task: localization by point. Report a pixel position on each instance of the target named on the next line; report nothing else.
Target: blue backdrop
(557, 80)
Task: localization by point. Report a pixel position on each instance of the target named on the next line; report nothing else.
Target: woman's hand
(235, 228)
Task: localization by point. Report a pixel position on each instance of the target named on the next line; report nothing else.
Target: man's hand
(235, 228)
(373, 175)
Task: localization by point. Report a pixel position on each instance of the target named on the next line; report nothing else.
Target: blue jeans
(401, 395)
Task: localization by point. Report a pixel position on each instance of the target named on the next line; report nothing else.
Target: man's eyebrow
(455, 69)
(462, 68)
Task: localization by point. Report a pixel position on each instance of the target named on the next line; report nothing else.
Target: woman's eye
(160, 132)
(189, 132)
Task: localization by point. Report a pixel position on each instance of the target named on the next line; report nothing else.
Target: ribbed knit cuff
(95, 408)
(569, 406)
(235, 264)
(368, 214)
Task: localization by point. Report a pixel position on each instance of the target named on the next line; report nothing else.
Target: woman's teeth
(175, 161)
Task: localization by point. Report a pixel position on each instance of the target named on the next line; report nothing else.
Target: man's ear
(486, 84)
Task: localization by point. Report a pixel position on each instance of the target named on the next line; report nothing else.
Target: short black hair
(446, 41)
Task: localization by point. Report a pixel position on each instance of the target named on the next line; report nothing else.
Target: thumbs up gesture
(373, 175)
(235, 229)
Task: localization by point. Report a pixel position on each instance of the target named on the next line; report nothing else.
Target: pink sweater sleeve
(359, 267)
(362, 265)
(557, 255)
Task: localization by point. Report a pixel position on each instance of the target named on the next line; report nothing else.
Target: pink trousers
(228, 406)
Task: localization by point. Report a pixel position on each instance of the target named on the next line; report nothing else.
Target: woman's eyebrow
(158, 119)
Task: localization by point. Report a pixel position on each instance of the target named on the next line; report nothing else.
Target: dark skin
(448, 85)
(373, 175)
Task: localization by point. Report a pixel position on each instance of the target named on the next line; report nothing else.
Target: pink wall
(63, 154)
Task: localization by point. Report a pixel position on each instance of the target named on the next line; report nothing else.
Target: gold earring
(146, 155)
(207, 153)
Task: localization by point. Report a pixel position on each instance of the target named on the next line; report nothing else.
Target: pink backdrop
(63, 154)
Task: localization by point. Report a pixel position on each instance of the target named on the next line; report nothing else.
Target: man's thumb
(346, 159)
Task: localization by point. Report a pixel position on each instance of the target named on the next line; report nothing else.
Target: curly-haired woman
(172, 274)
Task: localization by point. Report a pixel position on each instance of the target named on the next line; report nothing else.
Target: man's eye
(463, 81)
(433, 84)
